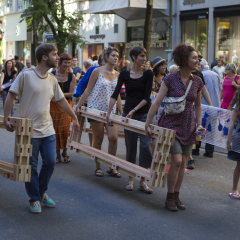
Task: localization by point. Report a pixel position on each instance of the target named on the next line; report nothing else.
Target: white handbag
(176, 105)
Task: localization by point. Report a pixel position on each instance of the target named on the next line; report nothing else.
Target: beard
(51, 63)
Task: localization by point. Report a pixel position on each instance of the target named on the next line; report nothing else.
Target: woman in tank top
(61, 120)
(101, 86)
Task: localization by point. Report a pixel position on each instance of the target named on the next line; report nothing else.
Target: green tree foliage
(51, 16)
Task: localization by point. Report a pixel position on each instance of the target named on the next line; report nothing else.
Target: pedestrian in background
(159, 71)
(230, 84)
(220, 70)
(19, 65)
(61, 120)
(232, 155)
(28, 64)
(76, 70)
(100, 88)
(148, 65)
(176, 85)
(173, 69)
(138, 85)
(214, 87)
(126, 66)
(8, 74)
(214, 63)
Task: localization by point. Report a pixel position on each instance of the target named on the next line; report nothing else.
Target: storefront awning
(227, 12)
(127, 9)
(194, 15)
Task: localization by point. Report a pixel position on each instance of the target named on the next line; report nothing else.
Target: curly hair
(181, 54)
(235, 100)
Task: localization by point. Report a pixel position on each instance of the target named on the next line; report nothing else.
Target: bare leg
(112, 133)
(176, 161)
(181, 174)
(98, 133)
(90, 136)
(236, 177)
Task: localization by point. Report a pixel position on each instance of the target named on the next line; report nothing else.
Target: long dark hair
(235, 100)
(5, 66)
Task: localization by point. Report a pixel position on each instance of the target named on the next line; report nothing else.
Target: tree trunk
(60, 50)
(35, 41)
(147, 27)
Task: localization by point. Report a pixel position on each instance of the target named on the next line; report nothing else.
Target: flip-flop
(234, 196)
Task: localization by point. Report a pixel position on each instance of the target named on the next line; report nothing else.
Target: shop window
(195, 33)
(135, 33)
(97, 30)
(115, 28)
(9, 4)
(227, 41)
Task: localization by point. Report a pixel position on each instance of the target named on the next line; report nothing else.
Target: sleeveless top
(65, 86)
(102, 91)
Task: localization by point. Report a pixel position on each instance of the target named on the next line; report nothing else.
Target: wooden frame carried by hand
(155, 176)
(20, 170)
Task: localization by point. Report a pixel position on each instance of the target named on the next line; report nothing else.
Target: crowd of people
(145, 86)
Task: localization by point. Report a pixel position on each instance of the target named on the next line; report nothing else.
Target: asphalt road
(88, 207)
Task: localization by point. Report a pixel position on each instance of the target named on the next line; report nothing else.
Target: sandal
(145, 188)
(234, 196)
(129, 186)
(99, 172)
(114, 174)
(58, 159)
(66, 157)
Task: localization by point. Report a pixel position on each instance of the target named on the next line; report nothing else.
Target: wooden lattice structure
(155, 176)
(20, 170)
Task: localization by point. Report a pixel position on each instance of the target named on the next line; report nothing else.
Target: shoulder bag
(176, 105)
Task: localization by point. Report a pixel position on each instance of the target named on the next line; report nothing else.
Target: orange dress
(61, 120)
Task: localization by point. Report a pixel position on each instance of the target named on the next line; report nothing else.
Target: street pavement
(88, 207)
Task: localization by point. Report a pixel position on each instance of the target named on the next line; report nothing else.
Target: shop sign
(153, 45)
(102, 36)
(191, 2)
(161, 26)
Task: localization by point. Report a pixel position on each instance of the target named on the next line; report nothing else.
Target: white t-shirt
(35, 94)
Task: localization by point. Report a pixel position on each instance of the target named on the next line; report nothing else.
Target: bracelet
(199, 125)
(134, 109)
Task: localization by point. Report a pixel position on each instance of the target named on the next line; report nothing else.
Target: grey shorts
(178, 148)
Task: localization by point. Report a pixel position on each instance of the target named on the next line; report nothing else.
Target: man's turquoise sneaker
(47, 201)
(35, 207)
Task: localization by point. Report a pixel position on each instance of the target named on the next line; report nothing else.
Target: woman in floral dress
(175, 85)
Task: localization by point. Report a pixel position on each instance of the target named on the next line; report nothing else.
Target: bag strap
(235, 79)
(189, 86)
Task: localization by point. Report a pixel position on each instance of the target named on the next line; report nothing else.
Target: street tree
(52, 16)
(148, 27)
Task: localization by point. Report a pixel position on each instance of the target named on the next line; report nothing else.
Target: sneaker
(210, 155)
(35, 207)
(47, 201)
(190, 164)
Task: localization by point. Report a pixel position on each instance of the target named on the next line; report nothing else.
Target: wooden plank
(20, 170)
(156, 176)
(118, 163)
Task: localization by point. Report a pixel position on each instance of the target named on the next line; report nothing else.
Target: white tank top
(100, 96)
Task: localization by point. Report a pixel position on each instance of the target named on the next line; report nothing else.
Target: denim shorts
(178, 148)
(234, 156)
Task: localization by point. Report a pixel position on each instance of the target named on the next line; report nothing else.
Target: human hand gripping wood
(148, 131)
(109, 121)
(8, 126)
(131, 113)
(76, 126)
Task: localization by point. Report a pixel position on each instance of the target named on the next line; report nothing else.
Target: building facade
(212, 26)
(13, 38)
